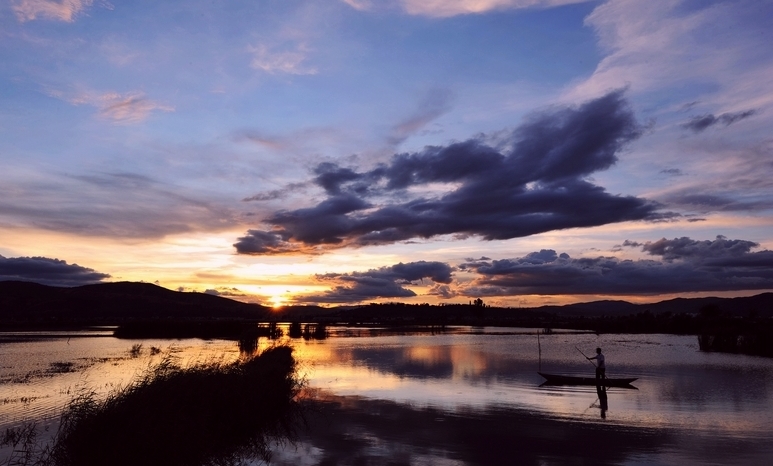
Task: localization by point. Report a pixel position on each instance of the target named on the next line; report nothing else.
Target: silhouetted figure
(601, 367)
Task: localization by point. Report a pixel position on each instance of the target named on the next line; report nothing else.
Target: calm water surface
(469, 396)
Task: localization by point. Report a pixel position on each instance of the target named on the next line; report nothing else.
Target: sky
(336, 152)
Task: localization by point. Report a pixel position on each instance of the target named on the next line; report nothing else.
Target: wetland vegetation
(209, 413)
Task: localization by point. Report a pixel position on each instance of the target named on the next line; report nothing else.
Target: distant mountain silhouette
(119, 302)
(114, 303)
(761, 304)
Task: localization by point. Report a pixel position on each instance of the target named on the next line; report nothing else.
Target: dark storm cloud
(687, 265)
(703, 122)
(264, 242)
(47, 271)
(530, 181)
(690, 249)
(385, 282)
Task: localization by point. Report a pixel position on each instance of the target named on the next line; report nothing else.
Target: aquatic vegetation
(55, 368)
(758, 342)
(61, 367)
(25, 400)
(212, 413)
(136, 350)
(24, 446)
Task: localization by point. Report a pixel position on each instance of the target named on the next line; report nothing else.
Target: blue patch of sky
(549, 45)
(373, 69)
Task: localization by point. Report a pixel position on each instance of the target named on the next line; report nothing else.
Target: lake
(465, 396)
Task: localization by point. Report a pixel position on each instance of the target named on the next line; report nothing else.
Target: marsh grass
(136, 350)
(23, 444)
(211, 413)
(55, 368)
(61, 367)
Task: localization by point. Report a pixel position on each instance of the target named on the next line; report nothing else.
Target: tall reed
(212, 413)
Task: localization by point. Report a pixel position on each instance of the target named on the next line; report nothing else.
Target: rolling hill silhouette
(114, 303)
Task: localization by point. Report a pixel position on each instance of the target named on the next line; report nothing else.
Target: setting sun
(277, 301)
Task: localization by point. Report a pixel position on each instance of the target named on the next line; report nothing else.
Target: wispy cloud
(672, 172)
(701, 123)
(286, 58)
(533, 181)
(448, 8)
(434, 104)
(62, 10)
(131, 108)
(725, 178)
(119, 108)
(47, 271)
(673, 44)
(113, 205)
(277, 193)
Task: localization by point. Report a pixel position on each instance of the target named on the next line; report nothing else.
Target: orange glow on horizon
(278, 301)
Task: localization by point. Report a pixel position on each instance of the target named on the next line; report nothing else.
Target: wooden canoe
(554, 379)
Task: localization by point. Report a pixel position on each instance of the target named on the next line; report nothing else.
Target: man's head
(598, 350)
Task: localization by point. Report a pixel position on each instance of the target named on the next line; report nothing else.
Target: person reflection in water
(601, 391)
(601, 367)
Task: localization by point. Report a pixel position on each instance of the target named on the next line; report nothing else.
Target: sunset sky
(526, 152)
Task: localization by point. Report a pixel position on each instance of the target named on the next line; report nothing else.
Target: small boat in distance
(553, 379)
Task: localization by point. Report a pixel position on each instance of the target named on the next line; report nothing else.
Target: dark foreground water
(466, 397)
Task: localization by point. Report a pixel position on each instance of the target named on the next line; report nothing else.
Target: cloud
(530, 181)
(709, 55)
(687, 266)
(47, 271)
(62, 10)
(701, 123)
(713, 199)
(131, 108)
(434, 104)
(226, 292)
(688, 249)
(289, 58)
(710, 50)
(128, 108)
(276, 193)
(116, 205)
(298, 143)
(448, 8)
(384, 282)
(121, 108)
(672, 172)
(265, 242)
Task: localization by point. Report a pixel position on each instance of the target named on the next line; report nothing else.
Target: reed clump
(208, 414)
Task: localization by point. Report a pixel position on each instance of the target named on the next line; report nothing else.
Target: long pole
(586, 357)
(539, 348)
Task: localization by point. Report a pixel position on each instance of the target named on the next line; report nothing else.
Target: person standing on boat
(601, 367)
